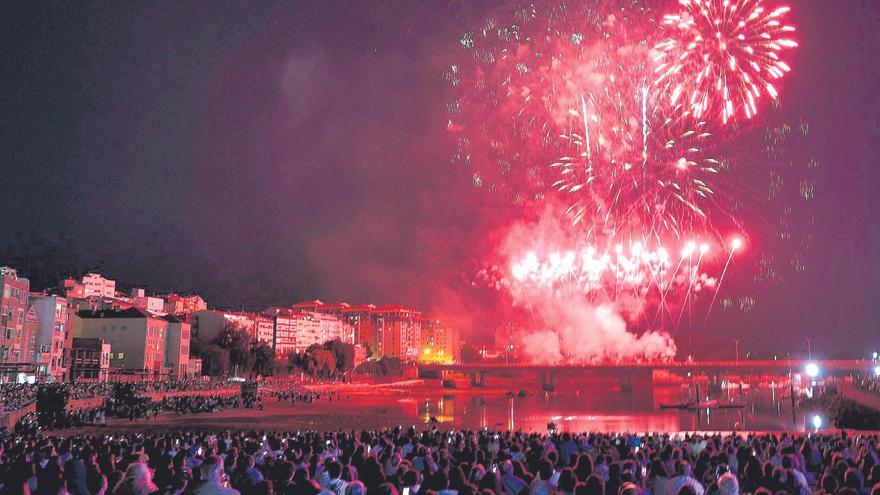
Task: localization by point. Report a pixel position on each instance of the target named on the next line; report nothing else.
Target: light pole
(810, 348)
(736, 345)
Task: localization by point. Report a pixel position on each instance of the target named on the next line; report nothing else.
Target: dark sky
(267, 152)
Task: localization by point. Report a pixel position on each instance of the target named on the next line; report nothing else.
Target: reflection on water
(598, 407)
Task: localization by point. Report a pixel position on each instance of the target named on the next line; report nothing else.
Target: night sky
(268, 152)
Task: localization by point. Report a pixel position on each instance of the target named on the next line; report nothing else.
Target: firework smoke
(576, 323)
(577, 331)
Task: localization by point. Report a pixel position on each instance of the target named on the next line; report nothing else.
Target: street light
(812, 370)
(817, 422)
(877, 370)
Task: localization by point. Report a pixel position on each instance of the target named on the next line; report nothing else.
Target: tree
(237, 341)
(294, 360)
(344, 354)
(329, 359)
(264, 359)
(215, 360)
(387, 366)
(320, 362)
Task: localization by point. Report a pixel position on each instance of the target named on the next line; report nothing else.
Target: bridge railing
(792, 365)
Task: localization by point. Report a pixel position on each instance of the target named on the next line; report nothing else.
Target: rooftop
(114, 313)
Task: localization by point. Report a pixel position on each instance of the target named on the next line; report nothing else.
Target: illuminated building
(54, 338)
(398, 331)
(138, 340)
(141, 300)
(177, 346)
(92, 284)
(296, 330)
(440, 341)
(178, 305)
(90, 360)
(13, 307)
(357, 317)
(207, 324)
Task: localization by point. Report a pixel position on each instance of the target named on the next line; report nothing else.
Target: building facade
(398, 332)
(138, 340)
(180, 305)
(441, 342)
(283, 330)
(31, 329)
(296, 330)
(357, 317)
(93, 284)
(141, 300)
(177, 347)
(90, 360)
(54, 339)
(14, 305)
(209, 323)
(264, 329)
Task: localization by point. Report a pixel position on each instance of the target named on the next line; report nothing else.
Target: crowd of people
(14, 396)
(294, 393)
(140, 407)
(182, 404)
(438, 462)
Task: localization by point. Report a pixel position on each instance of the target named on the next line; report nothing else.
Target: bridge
(640, 374)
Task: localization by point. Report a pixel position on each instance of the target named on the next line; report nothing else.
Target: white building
(54, 339)
(96, 285)
(141, 300)
(317, 328)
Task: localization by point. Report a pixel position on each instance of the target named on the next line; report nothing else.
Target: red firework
(722, 56)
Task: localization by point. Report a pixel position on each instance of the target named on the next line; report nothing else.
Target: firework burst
(622, 116)
(723, 56)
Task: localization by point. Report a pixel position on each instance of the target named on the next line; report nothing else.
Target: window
(121, 355)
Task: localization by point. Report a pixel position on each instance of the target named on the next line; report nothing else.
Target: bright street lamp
(812, 370)
(817, 422)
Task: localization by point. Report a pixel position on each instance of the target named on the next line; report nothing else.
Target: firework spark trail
(664, 292)
(644, 131)
(693, 276)
(586, 131)
(735, 244)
